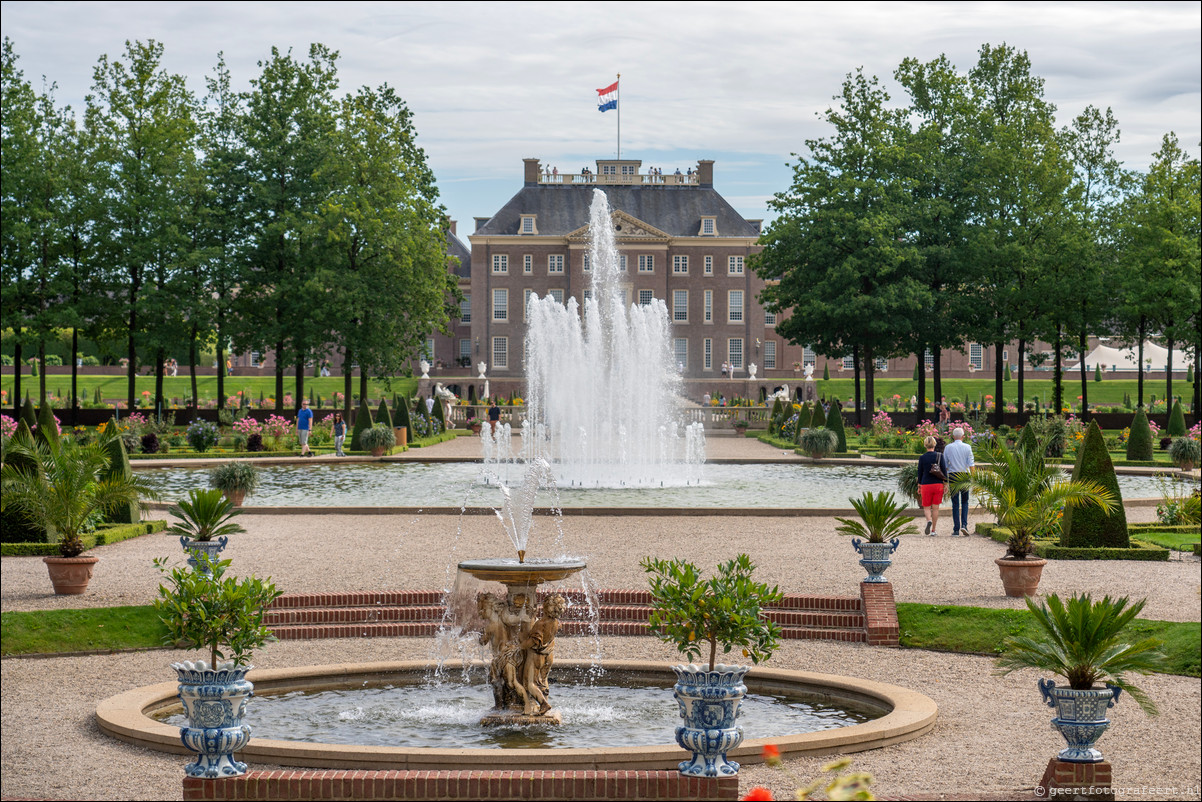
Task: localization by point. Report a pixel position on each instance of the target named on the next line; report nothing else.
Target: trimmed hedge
(1176, 427)
(129, 513)
(834, 422)
(1089, 526)
(1139, 444)
(104, 535)
(363, 421)
(1155, 527)
(1138, 551)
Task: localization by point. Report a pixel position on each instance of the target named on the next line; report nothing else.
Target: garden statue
(481, 366)
(809, 371)
(447, 399)
(751, 369)
(523, 649)
(425, 368)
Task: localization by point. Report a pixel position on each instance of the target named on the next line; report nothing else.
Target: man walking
(958, 456)
(304, 422)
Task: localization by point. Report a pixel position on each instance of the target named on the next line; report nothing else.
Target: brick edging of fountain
(482, 785)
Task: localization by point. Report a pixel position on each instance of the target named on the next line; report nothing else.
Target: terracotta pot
(70, 575)
(378, 451)
(402, 437)
(476, 427)
(235, 496)
(1020, 577)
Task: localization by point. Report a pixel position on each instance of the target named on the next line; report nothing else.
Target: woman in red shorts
(930, 487)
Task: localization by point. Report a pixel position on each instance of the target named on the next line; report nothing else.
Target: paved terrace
(992, 738)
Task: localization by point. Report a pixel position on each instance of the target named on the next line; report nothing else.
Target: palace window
(557, 295)
(735, 306)
(527, 264)
(646, 297)
(646, 263)
(709, 306)
(680, 306)
(622, 263)
(680, 349)
(849, 363)
(465, 308)
(555, 263)
(735, 351)
(500, 352)
(709, 266)
(976, 355)
(709, 226)
(527, 224)
(769, 354)
(500, 263)
(769, 318)
(500, 304)
(465, 349)
(735, 266)
(680, 265)
(588, 262)
(808, 357)
(709, 353)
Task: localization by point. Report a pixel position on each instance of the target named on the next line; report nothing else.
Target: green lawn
(1177, 541)
(48, 631)
(981, 630)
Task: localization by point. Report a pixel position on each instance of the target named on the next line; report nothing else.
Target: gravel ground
(993, 732)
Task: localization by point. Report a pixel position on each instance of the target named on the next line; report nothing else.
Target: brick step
(354, 615)
(786, 618)
(569, 628)
(391, 598)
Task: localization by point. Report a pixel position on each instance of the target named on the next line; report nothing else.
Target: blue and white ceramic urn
(208, 547)
(709, 704)
(875, 557)
(1080, 718)
(214, 702)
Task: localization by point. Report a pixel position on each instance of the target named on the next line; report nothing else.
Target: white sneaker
(964, 532)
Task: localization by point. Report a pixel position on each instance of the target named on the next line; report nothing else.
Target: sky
(740, 83)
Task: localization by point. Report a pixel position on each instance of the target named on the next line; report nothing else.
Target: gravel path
(992, 737)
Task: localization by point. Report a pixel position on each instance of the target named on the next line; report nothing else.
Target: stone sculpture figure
(539, 648)
(523, 650)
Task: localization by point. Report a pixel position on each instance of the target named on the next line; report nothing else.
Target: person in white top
(958, 456)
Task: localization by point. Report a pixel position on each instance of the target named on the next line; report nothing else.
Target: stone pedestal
(516, 718)
(1076, 781)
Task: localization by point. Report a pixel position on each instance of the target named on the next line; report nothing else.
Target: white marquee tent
(1127, 358)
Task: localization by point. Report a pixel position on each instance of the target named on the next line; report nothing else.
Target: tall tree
(385, 238)
(142, 118)
(839, 246)
(289, 130)
(1016, 175)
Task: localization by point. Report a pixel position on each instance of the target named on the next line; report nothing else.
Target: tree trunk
(131, 374)
(74, 375)
(300, 379)
(938, 375)
(869, 382)
(855, 357)
(17, 364)
(1168, 379)
(220, 361)
(1140, 363)
(362, 383)
(921, 409)
(347, 370)
(42, 372)
(1083, 340)
(160, 359)
(279, 377)
(1197, 405)
(999, 395)
(1057, 377)
(192, 366)
(1022, 361)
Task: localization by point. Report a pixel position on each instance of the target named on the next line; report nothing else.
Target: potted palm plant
(882, 521)
(690, 613)
(1082, 642)
(1025, 494)
(204, 525)
(237, 479)
(60, 486)
(225, 617)
(1185, 453)
(378, 439)
(819, 442)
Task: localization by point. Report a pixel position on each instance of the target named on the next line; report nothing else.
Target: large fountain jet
(602, 397)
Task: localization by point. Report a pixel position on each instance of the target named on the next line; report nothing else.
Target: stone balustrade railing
(639, 179)
(716, 417)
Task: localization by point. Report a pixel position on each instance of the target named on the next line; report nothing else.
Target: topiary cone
(47, 429)
(402, 421)
(383, 415)
(15, 527)
(818, 421)
(119, 466)
(29, 415)
(1139, 444)
(1177, 421)
(834, 422)
(1091, 527)
(440, 414)
(363, 422)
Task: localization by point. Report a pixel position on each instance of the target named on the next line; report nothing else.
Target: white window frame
(709, 226)
(709, 306)
(769, 354)
(500, 264)
(557, 295)
(555, 264)
(500, 353)
(255, 358)
(646, 297)
(928, 359)
(646, 263)
(734, 266)
(680, 306)
(500, 305)
(465, 348)
(808, 357)
(465, 308)
(428, 349)
(734, 352)
(527, 264)
(526, 294)
(769, 319)
(680, 265)
(849, 363)
(588, 262)
(527, 224)
(734, 313)
(680, 351)
(709, 266)
(708, 348)
(880, 365)
(976, 355)
(622, 263)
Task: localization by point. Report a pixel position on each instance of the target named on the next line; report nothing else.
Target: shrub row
(1155, 527)
(104, 535)
(1138, 551)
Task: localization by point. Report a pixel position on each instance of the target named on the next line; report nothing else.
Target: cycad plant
(205, 515)
(60, 484)
(1025, 493)
(1082, 642)
(882, 518)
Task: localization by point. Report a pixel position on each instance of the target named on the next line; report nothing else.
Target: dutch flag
(607, 98)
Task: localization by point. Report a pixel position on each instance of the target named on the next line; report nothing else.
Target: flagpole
(619, 95)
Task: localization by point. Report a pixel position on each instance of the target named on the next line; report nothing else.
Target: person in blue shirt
(958, 456)
(304, 423)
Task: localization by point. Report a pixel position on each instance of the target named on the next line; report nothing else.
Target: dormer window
(709, 226)
(528, 224)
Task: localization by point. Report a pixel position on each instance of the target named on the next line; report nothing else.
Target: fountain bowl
(908, 715)
(513, 572)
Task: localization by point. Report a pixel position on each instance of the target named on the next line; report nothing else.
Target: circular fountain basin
(906, 715)
(529, 572)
